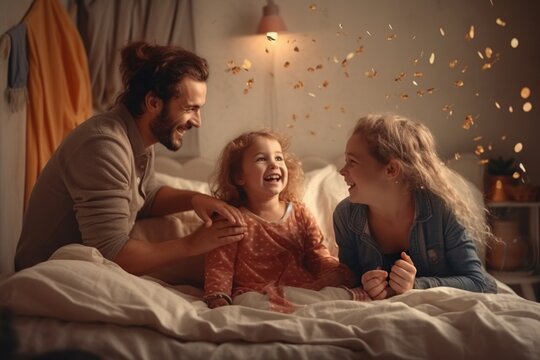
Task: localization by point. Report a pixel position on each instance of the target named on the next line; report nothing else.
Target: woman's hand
(206, 206)
(402, 274)
(375, 284)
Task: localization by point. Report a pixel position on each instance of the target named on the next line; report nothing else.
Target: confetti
(312, 94)
(457, 156)
(371, 73)
(246, 65)
(399, 77)
(349, 56)
(390, 27)
(479, 150)
(480, 55)
(404, 96)
(415, 83)
(488, 51)
(312, 7)
(298, 85)
(468, 122)
(516, 175)
(464, 69)
(430, 90)
(527, 107)
(514, 43)
(343, 110)
(470, 34)
(459, 83)
(418, 74)
(324, 84)
(486, 66)
(367, 32)
(391, 37)
(525, 92)
(497, 105)
(522, 167)
(286, 64)
(442, 31)
(500, 22)
(510, 109)
(518, 147)
(452, 64)
(310, 69)
(296, 49)
(432, 58)
(477, 138)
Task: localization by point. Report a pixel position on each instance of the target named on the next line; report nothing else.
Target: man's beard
(164, 130)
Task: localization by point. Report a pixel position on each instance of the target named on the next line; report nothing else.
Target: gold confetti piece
(470, 34)
(367, 31)
(349, 56)
(271, 36)
(459, 83)
(312, 94)
(510, 109)
(479, 150)
(430, 90)
(324, 84)
(390, 27)
(457, 156)
(290, 126)
(500, 22)
(312, 7)
(480, 55)
(522, 167)
(298, 85)
(452, 64)
(340, 26)
(525, 92)
(488, 51)
(266, 50)
(359, 49)
(371, 73)
(468, 122)
(327, 107)
(477, 138)
(527, 107)
(515, 175)
(312, 133)
(404, 96)
(503, 137)
(497, 105)
(415, 83)
(464, 69)
(286, 64)
(483, 161)
(486, 66)
(477, 94)
(310, 69)
(318, 67)
(420, 93)
(336, 60)
(518, 147)
(415, 61)
(514, 43)
(432, 58)
(307, 116)
(442, 31)
(399, 77)
(391, 37)
(246, 65)
(417, 74)
(343, 110)
(296, 49)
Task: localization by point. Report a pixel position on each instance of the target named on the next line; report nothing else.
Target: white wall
(224, 31)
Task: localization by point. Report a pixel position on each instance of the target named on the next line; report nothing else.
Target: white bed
(80, 300)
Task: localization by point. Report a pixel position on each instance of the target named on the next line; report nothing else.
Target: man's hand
(402, 274)
(375, 284)
(220, 232)
(205, 206)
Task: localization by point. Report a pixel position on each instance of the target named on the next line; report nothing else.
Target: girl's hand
(217, 302)
(205, 206)
(402, 274)
(375, 284)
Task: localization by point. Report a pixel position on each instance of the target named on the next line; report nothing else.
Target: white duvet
(79, 286)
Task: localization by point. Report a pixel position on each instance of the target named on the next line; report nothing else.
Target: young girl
(404, 224)
(283, 246)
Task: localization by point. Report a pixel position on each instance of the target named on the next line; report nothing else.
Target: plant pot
(510, 251)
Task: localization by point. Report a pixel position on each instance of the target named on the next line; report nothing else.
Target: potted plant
(498, 178)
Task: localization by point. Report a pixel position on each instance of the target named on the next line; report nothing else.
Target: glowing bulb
(272, 36)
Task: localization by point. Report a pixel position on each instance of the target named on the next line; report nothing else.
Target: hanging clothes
(16, 92)
(59, 87)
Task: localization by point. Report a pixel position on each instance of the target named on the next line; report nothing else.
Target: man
(100, 179)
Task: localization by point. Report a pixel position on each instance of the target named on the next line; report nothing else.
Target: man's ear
(393, 169)
(152, 103)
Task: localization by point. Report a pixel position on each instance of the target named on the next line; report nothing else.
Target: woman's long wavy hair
(225, 179)
(412, 145)
(156, 68)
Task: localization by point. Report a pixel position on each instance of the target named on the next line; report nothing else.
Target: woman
(404, 224)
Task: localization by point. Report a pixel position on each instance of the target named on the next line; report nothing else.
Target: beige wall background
(320, 117)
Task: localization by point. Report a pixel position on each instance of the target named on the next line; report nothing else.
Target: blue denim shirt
(441, 250)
